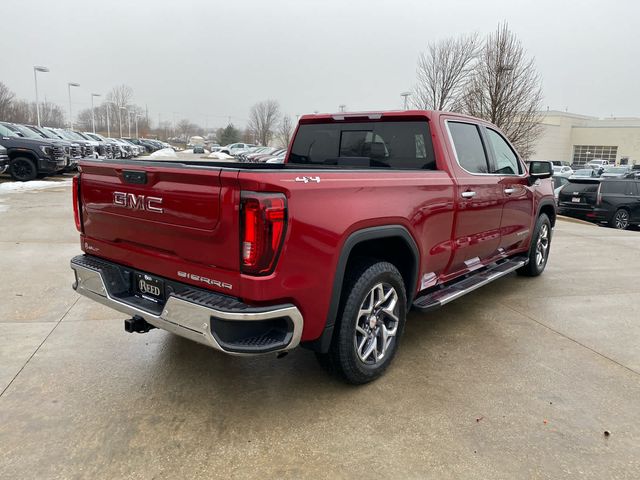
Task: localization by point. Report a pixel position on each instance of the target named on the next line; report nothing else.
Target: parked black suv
(614, 202)
(30, 157)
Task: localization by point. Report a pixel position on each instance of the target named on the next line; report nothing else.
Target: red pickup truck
(370, 214)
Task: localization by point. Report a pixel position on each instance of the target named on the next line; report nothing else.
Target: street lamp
(129, 117)
(137, 115)
(69, 85)
(405, 95)
(120, 120)
(37, 69)
(108, 103)
(93, 117)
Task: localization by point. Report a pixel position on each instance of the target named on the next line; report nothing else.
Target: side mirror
(539, 170)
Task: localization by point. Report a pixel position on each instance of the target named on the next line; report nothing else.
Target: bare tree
(6, 99)
(121, 97)
(285, 130)
(185, 128)
(51, 114)
(443, 72)
(263, 119)
(505, 90)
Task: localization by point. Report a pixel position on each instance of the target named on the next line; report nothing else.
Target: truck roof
(431, 115)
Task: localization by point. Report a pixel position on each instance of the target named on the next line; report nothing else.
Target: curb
(575, 220)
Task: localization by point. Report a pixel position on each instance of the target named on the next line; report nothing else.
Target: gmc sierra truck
(370, 215)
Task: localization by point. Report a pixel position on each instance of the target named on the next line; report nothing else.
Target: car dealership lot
(519, 379)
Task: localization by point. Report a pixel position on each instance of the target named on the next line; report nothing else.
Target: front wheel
(539, 249)
(620, 220)
(23, 169)
(369, 326)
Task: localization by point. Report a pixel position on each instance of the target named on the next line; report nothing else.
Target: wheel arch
(13, 154)
(548, 207)
(392, 243)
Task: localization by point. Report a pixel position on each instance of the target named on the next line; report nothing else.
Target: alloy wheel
(376, 324)
(622, 219)
(22, 170)
(542, 245)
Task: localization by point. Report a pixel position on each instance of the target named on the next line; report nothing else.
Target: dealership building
(579, 138)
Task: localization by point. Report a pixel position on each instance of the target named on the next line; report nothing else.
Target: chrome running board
(445, 294)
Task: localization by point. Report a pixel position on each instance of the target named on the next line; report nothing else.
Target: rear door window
(617, 188)
(397, 145)
(506, 160)
(469, 148)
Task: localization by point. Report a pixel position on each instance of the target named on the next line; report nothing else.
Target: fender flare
(547, 202)
(372, 233)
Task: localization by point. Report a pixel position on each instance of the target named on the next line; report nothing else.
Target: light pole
(108, 126)
(137, 115)
(120, 120)
(129, 118)
(405, 95)
(93, 117)
(37, 69)
(69, 85)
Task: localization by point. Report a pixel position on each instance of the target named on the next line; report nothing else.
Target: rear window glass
(587, 187)
(401, 145)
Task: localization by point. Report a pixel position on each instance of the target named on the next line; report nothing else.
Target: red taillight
(76, 202)
(263, 223)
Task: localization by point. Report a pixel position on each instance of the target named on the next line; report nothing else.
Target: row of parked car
(248, 153)
(28, 151)
(595, 169)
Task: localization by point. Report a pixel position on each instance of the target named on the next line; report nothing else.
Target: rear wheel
(539, 249)
(620, 219)
(369, 326)
(23, 169)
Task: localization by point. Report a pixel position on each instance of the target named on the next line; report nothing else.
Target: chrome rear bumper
(202, 316)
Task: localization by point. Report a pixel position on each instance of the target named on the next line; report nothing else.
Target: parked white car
(598, 163)
(562, 171)
(235, 148)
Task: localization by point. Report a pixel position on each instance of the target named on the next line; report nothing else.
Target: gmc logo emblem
(138, 202)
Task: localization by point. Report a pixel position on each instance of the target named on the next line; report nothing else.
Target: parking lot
(520, 379)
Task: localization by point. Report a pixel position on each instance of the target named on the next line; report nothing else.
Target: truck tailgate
(166, 211)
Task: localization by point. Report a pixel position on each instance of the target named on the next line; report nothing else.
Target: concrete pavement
(519, 379)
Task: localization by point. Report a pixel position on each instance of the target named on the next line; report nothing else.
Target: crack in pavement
(38, 348)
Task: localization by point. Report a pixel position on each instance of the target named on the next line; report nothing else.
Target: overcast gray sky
(206, 60)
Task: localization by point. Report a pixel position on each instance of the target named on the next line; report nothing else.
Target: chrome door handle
(468, 194)
(509, 191)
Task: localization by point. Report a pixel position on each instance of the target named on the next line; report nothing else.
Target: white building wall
(562, 130)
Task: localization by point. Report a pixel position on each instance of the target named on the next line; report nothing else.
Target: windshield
(615, 170)
(5, 132)
(27, 132)
(53, 133)
(584, 172)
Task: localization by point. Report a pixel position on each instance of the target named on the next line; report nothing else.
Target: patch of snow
(8, 187)
(164, 153)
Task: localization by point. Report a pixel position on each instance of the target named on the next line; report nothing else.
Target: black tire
(367, 282)
(620, 219)
(23, 169)
(539, 249)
